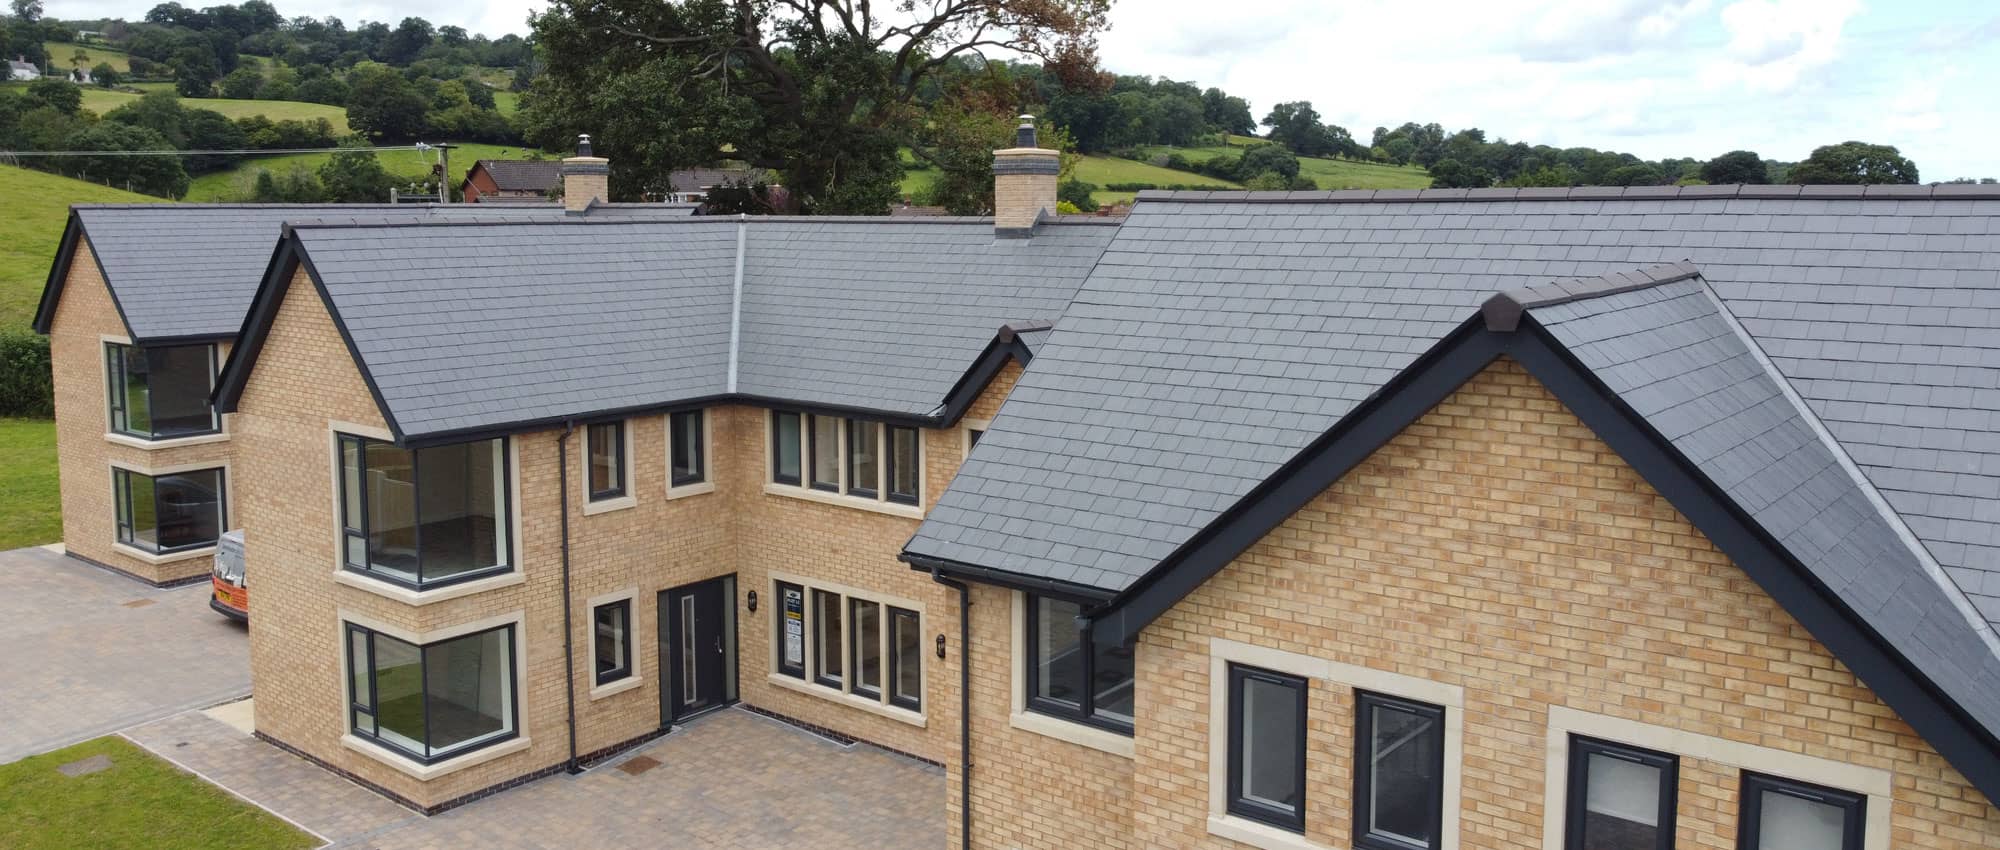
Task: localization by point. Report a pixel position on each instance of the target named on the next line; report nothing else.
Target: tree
(1226, 113)
(194, 72)
(1296, 125)
(382, 105)
(409, 39)
(819, 90)
(27, 11)
(153, 175)
(1452, 174)
(1735, 167)
(1078, 194)
(1640, 174)
(355, 177)
(55, 94)
(294, 186)
(242, 84)
(1268, 159)
(1854, 162)
(105, 75)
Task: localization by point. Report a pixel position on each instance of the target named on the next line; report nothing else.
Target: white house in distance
(19, 69)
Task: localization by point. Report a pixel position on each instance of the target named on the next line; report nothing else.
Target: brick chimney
(1024, 183)
(586, 178)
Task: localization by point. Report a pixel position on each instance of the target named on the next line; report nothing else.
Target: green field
(37, 206)
(30, 500)
(59, 53)
(507, 102)
(101, 101)
(1328, 173)
(237, 183)
(139, 801)
(1101, 170)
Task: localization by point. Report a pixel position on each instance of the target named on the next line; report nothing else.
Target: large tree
(1736, 167)
(1854, 162)
(819, 90)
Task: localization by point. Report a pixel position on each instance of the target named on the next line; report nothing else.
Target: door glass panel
(690, 692)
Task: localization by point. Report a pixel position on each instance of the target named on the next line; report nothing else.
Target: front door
(698, 648)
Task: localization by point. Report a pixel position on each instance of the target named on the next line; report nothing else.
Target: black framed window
(605, 450)
(1267, 747)
(823, 440)
(905, 467)
(785, 435)
(434, 701)
(1620, 797)
(972, 436)
(611, 629)
(791, 630)
(865, 621)
(424, 517)
(1398, 773)
(906, 659)
(161, 393)
(864, 458)
(1780, 814)
(1068, 675)
(826, 639)
(169, 513)
(687, 449)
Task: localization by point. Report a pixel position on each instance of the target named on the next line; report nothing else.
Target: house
(80, 76)
(692, 185)
(19, 69)
(516, 180)
(1639, 517)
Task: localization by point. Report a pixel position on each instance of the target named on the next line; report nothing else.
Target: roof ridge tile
(1502, 312)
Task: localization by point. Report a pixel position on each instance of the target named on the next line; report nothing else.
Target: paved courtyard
(90, 652)
(730, 779)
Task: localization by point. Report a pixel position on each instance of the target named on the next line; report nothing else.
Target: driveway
(731, 779)
(90, 652)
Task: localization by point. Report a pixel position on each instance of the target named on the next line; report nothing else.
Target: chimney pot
(1024, 135)
(583, 144)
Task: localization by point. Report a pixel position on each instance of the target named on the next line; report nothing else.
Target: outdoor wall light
(940, 647)
(752, 600)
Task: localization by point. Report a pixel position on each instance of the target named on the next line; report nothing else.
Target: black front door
(698, 648)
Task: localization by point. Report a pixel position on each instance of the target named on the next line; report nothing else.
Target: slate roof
(190, 270)
(490, 326)
(523, 175)
(697, 179)
(1220, 334)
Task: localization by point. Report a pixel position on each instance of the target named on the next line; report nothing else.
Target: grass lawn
(507, 102)
(37, 206)
(236, 184)
(59, 53)
(1328, 173)
(100, 101)
(30, 503)
(1093, 169)
(139, 801)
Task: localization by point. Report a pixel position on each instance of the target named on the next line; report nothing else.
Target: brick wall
(1499, 546)
(83, 317)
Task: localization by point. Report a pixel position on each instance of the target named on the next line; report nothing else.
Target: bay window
(161, 393)
(424, 517)
(1071, 677)
(433, 701)
(168, 513)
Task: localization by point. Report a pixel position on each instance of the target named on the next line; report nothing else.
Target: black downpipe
(569, 634)
(964, 704)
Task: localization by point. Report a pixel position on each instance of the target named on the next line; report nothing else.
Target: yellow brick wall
(84, 316)
(1499, 546)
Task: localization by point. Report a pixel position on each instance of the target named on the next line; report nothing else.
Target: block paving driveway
(88, 661)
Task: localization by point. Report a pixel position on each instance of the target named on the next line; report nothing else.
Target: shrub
(25, 386)
(1076, 193)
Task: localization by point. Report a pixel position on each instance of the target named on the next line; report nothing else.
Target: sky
(1656, 78)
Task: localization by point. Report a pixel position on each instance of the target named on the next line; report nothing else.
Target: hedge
(25, 386)
(1140, 187)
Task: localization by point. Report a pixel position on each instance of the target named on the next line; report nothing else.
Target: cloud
(1773, 44)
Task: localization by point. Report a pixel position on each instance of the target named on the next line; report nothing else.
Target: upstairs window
(423, 517)
(1779, 814)
(161, 393)
(786, 433)
(864, 459)
(1069, 676)
(687, 448)
(1267, 747)
(168, 513)
(1620, 797)
(1398, 773)
(604, 446)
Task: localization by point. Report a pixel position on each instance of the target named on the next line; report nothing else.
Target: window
(161, 393)
(1399, 773)
(866, 618)
(826, 638)
(1070, 677)
(687, 448)
(972, 436)
(1779, 814)
(1620, 798)
(859, 648)
(1267, 747)
(906, 660)
(433, 701)
(785, 435)
(424, 517)
(169, 513)
(605, 448)
(871, 461)
(611, 629)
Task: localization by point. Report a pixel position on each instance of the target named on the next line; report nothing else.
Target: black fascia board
(52, 288)
(1070, 591)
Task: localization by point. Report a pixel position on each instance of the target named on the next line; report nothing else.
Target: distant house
(692, 185)
(21, 70)
(515, 180)
(80, 77)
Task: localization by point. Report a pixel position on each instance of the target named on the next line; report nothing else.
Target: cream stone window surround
(104, 380)
(965, 429)
(1222, 652)
(707, 484)
(616, 503)
(150, 471)
(1018, 715)
(391, 590)
(878, 705)
(632, 680)
(804, 491)
(427, 772)
(1873, 783)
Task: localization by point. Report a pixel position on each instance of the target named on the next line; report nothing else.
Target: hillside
(37, 207)
(1101, 170)
(1328, 173)
(60, 52)
(236, 183)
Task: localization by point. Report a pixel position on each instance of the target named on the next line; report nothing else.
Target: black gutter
(964, 705)
(569, 632)
(1087, 596)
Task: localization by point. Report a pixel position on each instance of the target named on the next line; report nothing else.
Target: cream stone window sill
(1260, 835)
(427, 772)
(605, 506)
(167, 558)
(598, 692)
(696, 489)
(856, 502)
(1101, 740)
(158, 445)
(865, 703)
(407, 596)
